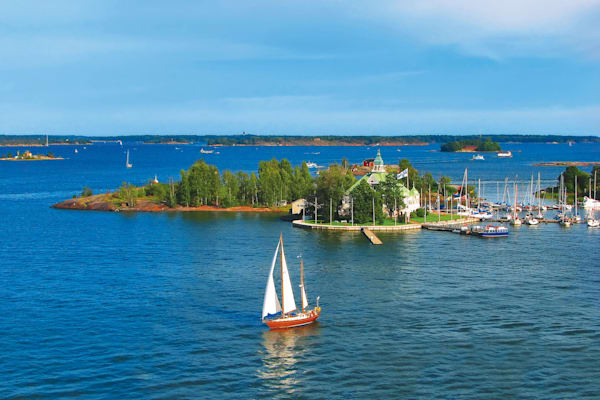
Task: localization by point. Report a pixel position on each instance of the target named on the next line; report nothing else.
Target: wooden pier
(448, 226)
(371, 236)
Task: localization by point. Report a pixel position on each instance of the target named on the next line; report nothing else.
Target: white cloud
(500, 28)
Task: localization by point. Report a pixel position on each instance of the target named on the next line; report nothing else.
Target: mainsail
(289, 304)
(271, 304)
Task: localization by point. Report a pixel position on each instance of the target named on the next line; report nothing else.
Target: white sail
(289, 304)
(271, 304)
(304, 300)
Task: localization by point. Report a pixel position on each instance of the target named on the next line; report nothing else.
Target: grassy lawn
(434, 218)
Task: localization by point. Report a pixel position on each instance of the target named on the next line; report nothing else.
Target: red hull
(292, 322)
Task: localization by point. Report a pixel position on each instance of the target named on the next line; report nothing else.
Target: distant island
(285, 140)
(42, 140)
(566, 164)
(28, 156)
(471, 145)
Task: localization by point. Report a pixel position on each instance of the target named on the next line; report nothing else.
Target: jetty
(355, 228)
(449, 226)
(371, 236)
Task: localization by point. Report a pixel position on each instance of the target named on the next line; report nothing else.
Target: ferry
(505, 154)
(489, 231)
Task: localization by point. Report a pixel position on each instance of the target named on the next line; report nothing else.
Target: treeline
(14, 140)
(480, 145)
(372, 140)
(202, 184)
(277, 183)
(292, 140)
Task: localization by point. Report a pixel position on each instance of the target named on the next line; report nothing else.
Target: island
(342, 194)
(471, 145)
(28, 156)
(566, 164)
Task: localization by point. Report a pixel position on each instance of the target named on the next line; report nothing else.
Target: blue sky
(300, 67)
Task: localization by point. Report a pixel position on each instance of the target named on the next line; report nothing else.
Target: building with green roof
(377, 175)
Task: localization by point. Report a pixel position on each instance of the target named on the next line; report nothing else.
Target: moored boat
(489, 231)
(274, 315)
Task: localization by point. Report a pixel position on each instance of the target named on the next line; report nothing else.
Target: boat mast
(539, 194)
(515, 205)
(302, 280)
(479, 195)
(575, 200)
(282, 300)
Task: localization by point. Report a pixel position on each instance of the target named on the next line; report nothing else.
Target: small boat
(593, 223)
(206, 151)
(505, 154)
(312, 165)
(127, 163)
(565, 223)
(532, 221)
(516, 222)
(478, 157)
(273, 315)
(76, 151)
(489, 231)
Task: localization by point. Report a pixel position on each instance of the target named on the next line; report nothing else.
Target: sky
(291, 67)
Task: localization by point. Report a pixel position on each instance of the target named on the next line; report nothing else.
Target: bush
(86, 192)
(420, 213)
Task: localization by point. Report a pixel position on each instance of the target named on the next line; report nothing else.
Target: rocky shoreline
(108, 202)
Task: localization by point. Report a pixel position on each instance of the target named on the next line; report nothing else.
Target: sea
(100, 305)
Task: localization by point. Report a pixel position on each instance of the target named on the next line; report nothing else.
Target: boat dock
(449, 226)
(371, 236)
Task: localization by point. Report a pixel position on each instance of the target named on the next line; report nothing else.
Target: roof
(380, 177)
(378, 159)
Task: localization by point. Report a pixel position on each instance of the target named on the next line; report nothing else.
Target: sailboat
(273, 314)
(516, 221)
(127, 164)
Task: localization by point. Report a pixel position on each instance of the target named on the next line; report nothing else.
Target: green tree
(391, 189)
(582, 180)
(231, 188)
(331, 185)
(128, 194)
(270, 181)
(86, 192)
(363, 196)
(183, 190)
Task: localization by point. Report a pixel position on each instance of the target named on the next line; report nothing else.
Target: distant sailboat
(127, 164)
(273, 314)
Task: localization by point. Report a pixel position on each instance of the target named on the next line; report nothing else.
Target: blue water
(102, 305)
